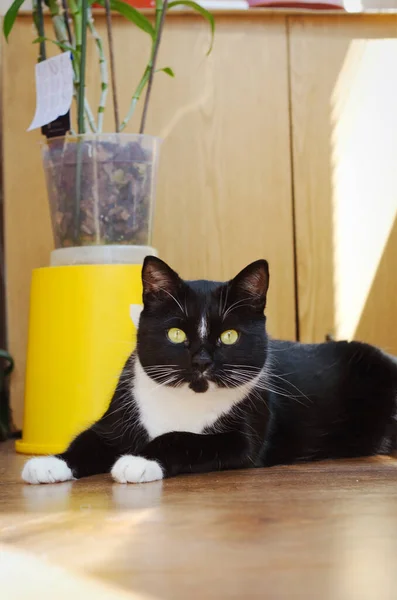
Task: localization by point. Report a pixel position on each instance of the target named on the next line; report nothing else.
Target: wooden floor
(325, 530)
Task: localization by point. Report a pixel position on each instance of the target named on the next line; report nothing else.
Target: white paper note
(54, 89)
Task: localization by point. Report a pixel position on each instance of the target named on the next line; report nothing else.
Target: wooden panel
(224, 193)
(28, 238)
(344, 122)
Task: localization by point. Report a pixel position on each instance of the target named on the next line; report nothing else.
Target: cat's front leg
(183, 452)
(95, 450)
(88, 454)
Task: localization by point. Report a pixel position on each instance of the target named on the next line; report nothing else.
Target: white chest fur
(163, 408)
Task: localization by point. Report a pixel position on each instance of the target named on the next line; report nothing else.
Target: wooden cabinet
(344, 147)
(281, 145)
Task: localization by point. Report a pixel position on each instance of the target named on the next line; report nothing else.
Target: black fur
(329, 400)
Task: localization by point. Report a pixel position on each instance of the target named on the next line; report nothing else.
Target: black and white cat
(206, 390)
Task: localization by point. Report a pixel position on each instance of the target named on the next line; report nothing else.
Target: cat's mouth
(199, 385)
(200, 381)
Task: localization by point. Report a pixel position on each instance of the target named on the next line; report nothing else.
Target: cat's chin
(200, 386)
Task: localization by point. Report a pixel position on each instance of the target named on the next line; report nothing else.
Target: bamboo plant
(100, 199)
(72, 20)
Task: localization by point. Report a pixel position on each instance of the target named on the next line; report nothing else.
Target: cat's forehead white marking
(203, 326)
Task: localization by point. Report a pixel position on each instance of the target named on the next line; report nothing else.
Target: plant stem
(63, 36)
(161, 9)
(102, 67)
(66, 19)
(79, 180)
(112, 65)
(135, 98)
(58, 22)
(76, 18)
(89, 116)
(40, 28)
(83, 51)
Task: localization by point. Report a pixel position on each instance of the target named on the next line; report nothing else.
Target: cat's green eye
(176, 336)
(229, 337)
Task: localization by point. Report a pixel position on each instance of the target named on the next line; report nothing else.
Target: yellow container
(80, 335)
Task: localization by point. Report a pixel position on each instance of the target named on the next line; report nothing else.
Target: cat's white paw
(46, 469)
(136, 469)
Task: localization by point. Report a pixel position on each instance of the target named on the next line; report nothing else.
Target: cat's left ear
(159, 281)
(252, 284)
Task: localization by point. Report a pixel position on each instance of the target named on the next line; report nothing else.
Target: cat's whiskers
(153, 374)
(220, 302)
(238, 377)
(280, 392)
(123, 399)
(238, 374)
(160, 372)
(163, 373)
(228, 383)
(226, 298)
(290, 384)
(166, 381)
(162, 379)
(238, 304)
(244, 367)
(124, 423)
(257, 395)
(157, 366)
(266, 369)
(223, 302)
(161, 368)
(179, 383)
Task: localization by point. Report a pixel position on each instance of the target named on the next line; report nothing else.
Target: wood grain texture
(224, 192)
(344, 125)
(324, 530)
(28, 237)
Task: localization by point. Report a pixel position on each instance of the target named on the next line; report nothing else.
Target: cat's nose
(202, 360)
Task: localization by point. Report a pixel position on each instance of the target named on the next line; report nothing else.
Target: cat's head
(202, 333)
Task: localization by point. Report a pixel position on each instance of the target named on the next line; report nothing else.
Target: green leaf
(130, 13)
(167, 70)
(202, 11)
(62, 46)
(10, 17)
